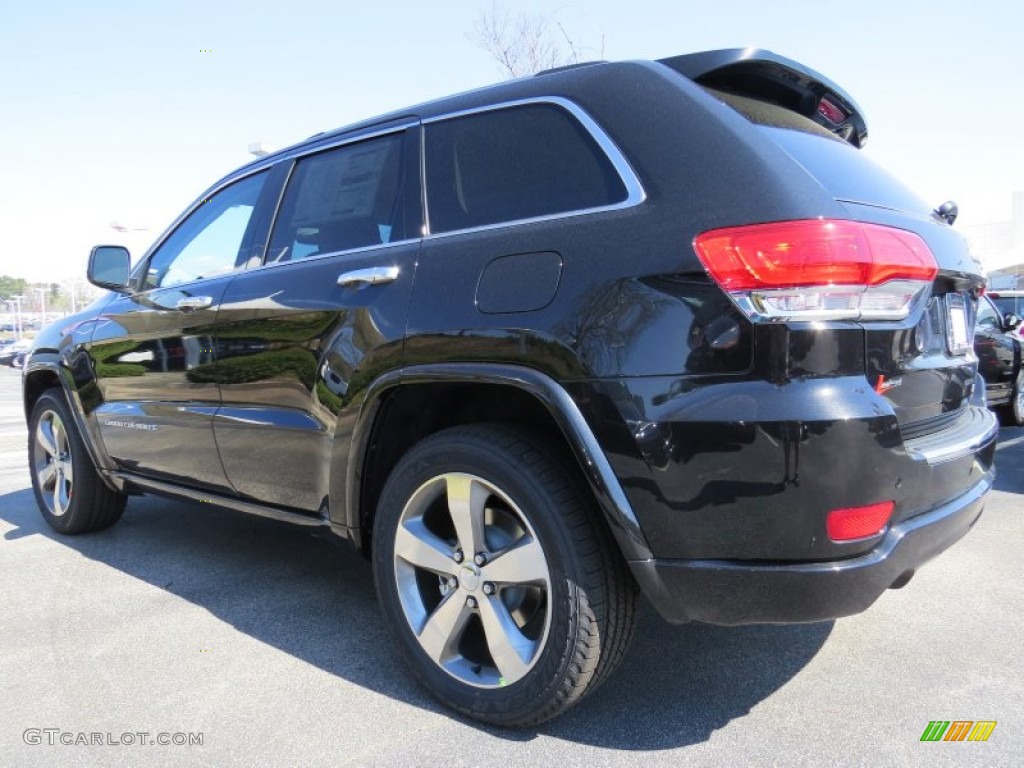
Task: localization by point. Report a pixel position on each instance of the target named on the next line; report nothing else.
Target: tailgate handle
(369, 276)
(192, 303)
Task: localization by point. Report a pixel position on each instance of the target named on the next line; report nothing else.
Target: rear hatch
(923, 364)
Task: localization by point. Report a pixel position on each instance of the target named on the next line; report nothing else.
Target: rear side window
(515, 163)
(340, 199)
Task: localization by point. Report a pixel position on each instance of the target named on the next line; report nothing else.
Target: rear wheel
(70, 493)
(504, 594)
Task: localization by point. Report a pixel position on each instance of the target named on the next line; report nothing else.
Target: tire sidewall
(438, 456)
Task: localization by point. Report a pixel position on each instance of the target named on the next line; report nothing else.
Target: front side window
(343, 198)
(515, 163)
(210, 241)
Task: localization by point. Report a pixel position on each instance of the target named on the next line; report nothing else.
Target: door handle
(369, 276)
(192, 303)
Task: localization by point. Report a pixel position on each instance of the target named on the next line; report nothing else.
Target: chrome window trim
(635, 193)
(291, 155)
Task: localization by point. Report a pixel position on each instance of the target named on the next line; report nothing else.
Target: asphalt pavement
(185, 623)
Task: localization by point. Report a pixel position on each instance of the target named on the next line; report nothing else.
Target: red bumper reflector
(858, 522)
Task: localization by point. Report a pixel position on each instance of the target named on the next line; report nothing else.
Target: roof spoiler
(766, 76)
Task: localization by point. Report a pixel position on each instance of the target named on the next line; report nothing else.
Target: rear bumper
(730, 592)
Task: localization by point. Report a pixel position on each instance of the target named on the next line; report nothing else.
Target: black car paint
(143, 353)
(706, 440)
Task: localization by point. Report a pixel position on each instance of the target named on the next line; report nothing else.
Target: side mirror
(1012, 321)
(110, 267)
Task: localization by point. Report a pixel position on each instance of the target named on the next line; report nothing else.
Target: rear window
(846, 172)
(515, 163)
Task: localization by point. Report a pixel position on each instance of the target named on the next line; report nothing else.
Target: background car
(13, 354)
(997, 344)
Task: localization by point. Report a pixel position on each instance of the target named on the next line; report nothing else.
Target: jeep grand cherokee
(648, 324)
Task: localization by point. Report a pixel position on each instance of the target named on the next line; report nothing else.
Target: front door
(153, 350)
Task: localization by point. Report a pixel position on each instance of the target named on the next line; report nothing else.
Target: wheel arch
(39, 376)
(45, 371)
(461, 393)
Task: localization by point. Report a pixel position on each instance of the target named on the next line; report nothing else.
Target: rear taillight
(819, 269)
(858, 522)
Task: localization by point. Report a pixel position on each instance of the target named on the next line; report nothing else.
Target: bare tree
(524, 43)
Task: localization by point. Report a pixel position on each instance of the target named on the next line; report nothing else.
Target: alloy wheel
(52, 464)
(473, 580)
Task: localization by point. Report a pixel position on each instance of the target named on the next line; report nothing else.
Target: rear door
(300, 337)
(153, 350)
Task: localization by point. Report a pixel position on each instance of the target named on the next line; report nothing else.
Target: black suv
(529, 348)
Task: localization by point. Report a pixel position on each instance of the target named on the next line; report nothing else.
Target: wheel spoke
(466, 501)
(67, 469)
(443, 627)
(60, 438)
(44, 436)
(59, 505)
(419, 547)
(46, 475)
(509, 648)
(524, 563)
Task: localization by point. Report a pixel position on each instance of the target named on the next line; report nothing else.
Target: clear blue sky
(112, 112)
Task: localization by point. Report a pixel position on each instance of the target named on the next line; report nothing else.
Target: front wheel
(504, 593)
(70, 493)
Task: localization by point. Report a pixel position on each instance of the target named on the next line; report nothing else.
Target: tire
(549, 613)
(70, 493)
(1013, 412)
